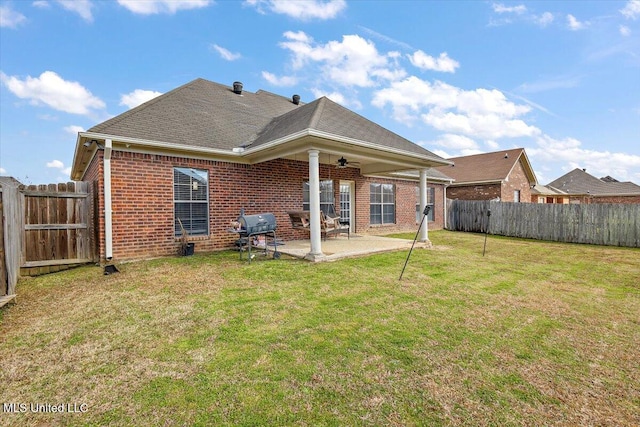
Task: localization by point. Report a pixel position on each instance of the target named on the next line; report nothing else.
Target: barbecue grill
(252, 226)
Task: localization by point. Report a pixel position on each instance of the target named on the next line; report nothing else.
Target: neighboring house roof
(579, 182)
(487, 168)
(433, 174)
(547, 190)
(609, 178)
(211, 119)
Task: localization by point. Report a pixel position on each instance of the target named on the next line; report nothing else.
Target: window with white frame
(430, 198)
(516, 196)
(382, 204)
(327, 198)
(191, 201)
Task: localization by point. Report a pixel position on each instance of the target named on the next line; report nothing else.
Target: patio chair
(329, 224)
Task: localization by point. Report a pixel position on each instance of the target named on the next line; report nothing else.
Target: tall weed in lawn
(533, 333)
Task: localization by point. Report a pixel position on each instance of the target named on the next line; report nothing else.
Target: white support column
(314, 207)
(424, 231)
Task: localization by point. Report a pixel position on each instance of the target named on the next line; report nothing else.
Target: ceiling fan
(342, 163)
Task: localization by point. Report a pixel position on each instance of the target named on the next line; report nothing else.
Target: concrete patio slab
(338, 247)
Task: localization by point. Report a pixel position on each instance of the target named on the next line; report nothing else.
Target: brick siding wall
(517, 180)
(143, 210)
(474, 192)
(605, 199)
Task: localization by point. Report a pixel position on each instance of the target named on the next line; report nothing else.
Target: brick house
(582, 187)
(548, 194)
(502, 175)
(204, 151)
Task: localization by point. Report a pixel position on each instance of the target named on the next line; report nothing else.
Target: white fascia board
(413, 176)
(466, 183)
(160, 144)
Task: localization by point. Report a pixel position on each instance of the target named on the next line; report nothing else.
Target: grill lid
(257, 223)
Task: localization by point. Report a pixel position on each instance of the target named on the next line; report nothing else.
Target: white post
(314, 207)
(424, 231)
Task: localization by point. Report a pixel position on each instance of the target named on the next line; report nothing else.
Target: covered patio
(335, 248)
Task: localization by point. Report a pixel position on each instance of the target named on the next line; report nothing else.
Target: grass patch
(533, 333)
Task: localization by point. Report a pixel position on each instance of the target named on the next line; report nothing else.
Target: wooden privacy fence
(58, 222)
(596, 224)
(44, 228)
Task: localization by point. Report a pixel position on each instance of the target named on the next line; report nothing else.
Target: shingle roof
(486, 167)
(580, 182)
(547, 190)
(207, 114)
(200, 113)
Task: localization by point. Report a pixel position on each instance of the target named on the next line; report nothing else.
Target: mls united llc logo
(67, 408)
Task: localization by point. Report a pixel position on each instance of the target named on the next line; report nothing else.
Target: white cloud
(338, 97)
(493, 145)
(427, 62)
(386, 38)
(544, 19)
(50, 89)
(9, 18)
(279, 81)
(3, 170)
(151, 7)
(480, 113)
(303, 10)
(42, 4)
(353, 62)
(574, 24)
(625, 31)
(81, 7)
(456, 142)
(225, 53)
(500, 8)
(137, 97)
(56, 164)
(552, 83)
(570, 151)
(631, 10)
(48, 117)
(73, 130)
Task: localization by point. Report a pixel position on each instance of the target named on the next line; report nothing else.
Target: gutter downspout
(108, 225)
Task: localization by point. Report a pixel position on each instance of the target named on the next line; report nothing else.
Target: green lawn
(533, 333)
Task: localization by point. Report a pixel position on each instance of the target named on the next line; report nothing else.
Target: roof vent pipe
(237, 88)
(295, 99)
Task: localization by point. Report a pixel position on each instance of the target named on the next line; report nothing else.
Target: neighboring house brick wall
(474, 192)
(517, 180)
(617, 199)
(605, 199)
(143, 210)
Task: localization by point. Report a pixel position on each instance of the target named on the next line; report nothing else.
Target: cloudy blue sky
(560, 78)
